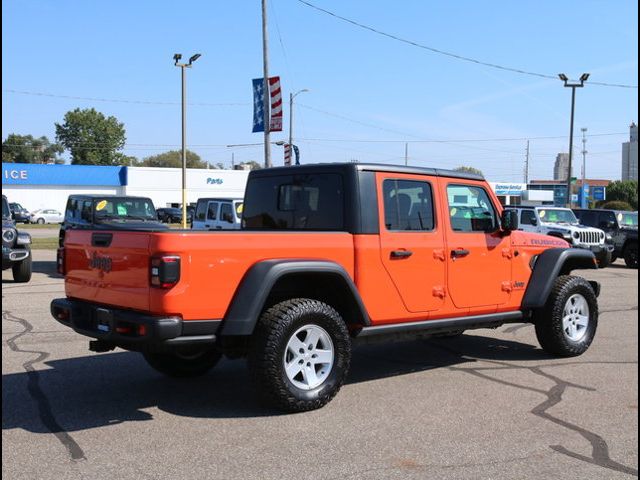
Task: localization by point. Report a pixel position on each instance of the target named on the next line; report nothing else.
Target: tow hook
(100, 346)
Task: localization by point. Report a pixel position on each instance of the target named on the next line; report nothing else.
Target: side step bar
(444, 325)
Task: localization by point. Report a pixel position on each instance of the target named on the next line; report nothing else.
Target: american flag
(275, 124)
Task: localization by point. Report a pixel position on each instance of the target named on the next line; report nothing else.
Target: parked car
(327, 255)
(46, 215)
(562, 223)
(16, 250)
(109, 212)
(620, 226)
(19, 214)
(218, 214)
(169, 215)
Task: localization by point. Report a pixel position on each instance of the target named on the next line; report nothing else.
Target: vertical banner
(275, 95)
(287, 154)
(276, 104)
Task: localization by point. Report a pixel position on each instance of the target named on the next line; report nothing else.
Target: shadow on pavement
(111, 388)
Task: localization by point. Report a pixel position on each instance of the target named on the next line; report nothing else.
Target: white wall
(164, 185)
(33, 197)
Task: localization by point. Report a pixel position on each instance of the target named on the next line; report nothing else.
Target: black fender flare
(254, 289)
(550, 265)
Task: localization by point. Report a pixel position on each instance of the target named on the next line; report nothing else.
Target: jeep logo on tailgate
(101, 263)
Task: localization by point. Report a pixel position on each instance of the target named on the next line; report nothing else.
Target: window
(408, 205)
(226, 213)
(528, 217)
(295, 202)
(201, 210)
(588, 218)
(212, 211)
(471, 210)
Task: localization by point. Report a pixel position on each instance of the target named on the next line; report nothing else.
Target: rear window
(127, 208)
(295, 202)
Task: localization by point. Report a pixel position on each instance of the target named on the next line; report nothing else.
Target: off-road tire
(274, 330)
(549, 321)
(631, 255)
(184, 363)
(22, 270)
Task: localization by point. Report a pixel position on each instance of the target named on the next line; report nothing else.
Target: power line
(450, 54)
(120, 100)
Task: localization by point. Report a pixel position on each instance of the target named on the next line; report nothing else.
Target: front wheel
(184, 362)
(22, 270)
(631, 256)
(300, 354)
(567, 324)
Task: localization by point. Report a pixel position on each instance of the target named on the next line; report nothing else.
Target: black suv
(16, 253)
(18, 213)
(109, 212)
(621, 226)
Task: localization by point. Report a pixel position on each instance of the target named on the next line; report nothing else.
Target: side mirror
(611, 225)
(509, 221)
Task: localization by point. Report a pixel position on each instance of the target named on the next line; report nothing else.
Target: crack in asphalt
(599, 447)
(36, 392)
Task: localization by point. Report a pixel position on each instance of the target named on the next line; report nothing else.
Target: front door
(411, 240)
(478, 255)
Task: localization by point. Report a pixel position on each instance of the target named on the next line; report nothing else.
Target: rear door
(411, 239)
(213, 216)
(478, 255)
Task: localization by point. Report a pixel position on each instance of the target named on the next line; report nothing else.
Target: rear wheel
(567, 324)
(22, 270)
(631, 255)
(300, 354)
(185, 362)
(40, 221)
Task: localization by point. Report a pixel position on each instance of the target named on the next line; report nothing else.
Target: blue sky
(368, 94)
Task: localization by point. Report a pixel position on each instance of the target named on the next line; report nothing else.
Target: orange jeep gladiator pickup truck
(327, 254)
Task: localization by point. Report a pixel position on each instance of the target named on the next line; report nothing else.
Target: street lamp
(183, 66)
(291, 97)
(572, 85)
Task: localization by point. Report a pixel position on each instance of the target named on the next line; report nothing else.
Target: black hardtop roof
(375, 167)
(602, 210)
(220, 199)
(92, 196)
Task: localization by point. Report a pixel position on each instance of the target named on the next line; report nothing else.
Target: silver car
(46, 215)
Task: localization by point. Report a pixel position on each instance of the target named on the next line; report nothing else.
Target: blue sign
(38, 174)
(598, 193)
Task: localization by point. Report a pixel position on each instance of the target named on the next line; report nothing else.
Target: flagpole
(267, 91)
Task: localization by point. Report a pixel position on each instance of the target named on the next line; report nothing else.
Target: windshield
(124, 208)
(557, 215)
(627, 219)
(5, 208)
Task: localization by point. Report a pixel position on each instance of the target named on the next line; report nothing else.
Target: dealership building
(37, 186)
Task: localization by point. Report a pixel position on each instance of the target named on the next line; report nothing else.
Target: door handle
(460, 252)
(401, 253)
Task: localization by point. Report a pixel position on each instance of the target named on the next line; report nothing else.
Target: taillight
(60, 261)
(165, 271)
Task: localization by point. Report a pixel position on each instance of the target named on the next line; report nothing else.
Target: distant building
(630, 155)
(561, 167)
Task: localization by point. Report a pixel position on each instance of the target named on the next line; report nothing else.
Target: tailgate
(108, 267)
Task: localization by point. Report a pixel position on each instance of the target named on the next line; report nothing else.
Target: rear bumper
(132, 330)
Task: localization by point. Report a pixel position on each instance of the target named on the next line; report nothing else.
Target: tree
(253, 165)
(27, 149)
(468, 170)
(616, 205)
(92, 138)
(624, 191)
(173, 159)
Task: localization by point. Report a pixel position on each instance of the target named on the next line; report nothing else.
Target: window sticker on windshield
(101, 204)
(239, 209)
(620, 217)
(122, 210)
(453, 212)
(542, 213)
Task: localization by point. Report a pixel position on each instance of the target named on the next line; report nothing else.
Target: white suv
(218, 214)
(562, 223)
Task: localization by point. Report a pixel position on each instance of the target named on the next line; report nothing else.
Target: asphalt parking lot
(489, 404)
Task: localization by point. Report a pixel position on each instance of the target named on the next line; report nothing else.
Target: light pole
(291, 97)
(583, 193)
(184, 66)
(573, 85)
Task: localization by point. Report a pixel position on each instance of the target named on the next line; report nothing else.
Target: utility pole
(526, 166)
(583, 195)
(183, 67)
(572, 86)
(267, 91)
(406, 154)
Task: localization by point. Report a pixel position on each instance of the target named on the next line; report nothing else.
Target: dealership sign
(509, 189)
